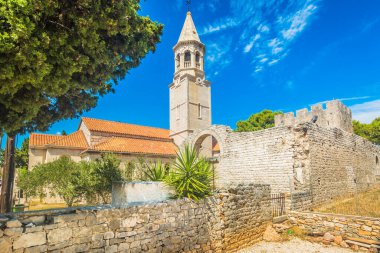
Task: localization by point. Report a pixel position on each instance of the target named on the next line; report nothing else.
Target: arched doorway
(208, 147)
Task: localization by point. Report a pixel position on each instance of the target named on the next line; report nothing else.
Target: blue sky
(262, 54)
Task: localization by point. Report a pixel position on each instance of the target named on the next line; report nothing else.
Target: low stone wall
(342, 225)
(230, 220)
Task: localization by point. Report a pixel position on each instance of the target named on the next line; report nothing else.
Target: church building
(190, 109)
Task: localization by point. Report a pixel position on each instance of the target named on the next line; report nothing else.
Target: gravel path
(293, 246)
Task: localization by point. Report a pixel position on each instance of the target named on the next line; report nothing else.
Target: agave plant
(191, 175)
(156, 171)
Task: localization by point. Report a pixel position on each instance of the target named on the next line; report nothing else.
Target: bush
(62, 177)
(73, 181)
(156, 171)
(191, 175)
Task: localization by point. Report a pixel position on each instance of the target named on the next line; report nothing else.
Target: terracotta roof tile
(74, 140)
(124, 128)
(133, 145)
(36, 139)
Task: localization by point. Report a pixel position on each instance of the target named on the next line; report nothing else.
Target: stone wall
(339, 163)
(343, 225)
(232, 219)
(336, 115)
(261, 157)
(301, 201)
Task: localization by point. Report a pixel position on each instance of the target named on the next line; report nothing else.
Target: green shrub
(156, 171)
(191, 175)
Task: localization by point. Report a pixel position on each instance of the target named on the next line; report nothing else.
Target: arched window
(178, 60)
(187, 59)
(197, 60)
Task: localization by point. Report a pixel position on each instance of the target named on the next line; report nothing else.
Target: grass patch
(361, 204)
(35, 205)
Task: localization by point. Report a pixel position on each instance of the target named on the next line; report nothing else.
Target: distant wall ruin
(336, 115)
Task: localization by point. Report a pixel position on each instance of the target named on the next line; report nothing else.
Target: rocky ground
(295, 245)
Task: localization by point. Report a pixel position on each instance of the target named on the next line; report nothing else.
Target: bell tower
(190, 94)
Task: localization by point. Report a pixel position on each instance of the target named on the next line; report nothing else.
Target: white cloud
(250, 45)
(366, 112)
(343, 99)
(297, 21)
(260, 27)
(220, 26)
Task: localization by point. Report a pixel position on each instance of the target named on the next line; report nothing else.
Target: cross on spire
(188, 3)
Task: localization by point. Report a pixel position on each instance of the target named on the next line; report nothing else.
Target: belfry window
(187, 59)
(197, 60)
(178, 61)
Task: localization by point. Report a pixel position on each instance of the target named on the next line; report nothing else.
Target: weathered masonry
(312, 159)
(232, 219)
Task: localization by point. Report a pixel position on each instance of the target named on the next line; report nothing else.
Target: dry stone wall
(232, 219)
(343, 225)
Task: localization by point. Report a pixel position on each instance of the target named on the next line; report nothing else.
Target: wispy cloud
(343, 99)
(218, 55)
(366, 112)
(262, 27)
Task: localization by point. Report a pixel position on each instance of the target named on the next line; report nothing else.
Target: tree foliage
(257, 121)
(191, 175)
(58, 57)
(370, 131)
(73, 181)
(106, 170)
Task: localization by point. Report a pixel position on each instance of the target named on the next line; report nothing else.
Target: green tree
(370, 131)
(106, 170)
(191, 175)
(62, 177)
(22, 155)
(257, 121)
(58, 57)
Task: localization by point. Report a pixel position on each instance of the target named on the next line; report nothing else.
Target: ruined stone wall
(343, 225)
(232, 219)
(340, 163)
(259, 157)
(336, 115)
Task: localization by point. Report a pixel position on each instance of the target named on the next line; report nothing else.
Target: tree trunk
(8, 176)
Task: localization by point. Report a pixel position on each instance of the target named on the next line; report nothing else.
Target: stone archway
(211, 144)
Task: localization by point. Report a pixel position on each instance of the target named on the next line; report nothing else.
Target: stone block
(59, 235)
(30, 240)
(36, 249)
(5, 245)
(14, 224)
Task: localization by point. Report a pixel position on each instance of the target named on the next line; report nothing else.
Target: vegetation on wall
(370, 131)
(257, 121)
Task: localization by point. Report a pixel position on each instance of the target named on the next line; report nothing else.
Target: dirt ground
(293, 246)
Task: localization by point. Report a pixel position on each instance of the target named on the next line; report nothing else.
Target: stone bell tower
(190, 94)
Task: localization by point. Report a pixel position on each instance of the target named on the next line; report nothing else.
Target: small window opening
(178, 60)
(187, 59)
(197, 60)
(377, 160)
(177, 112)
(199, 111)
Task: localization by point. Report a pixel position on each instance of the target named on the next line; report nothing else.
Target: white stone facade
(190, 93)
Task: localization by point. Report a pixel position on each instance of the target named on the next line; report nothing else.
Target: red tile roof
(74, 140)
(106, 126)
(140, 146)
(42, 139)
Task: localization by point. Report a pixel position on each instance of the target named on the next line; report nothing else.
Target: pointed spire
(189, 32)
